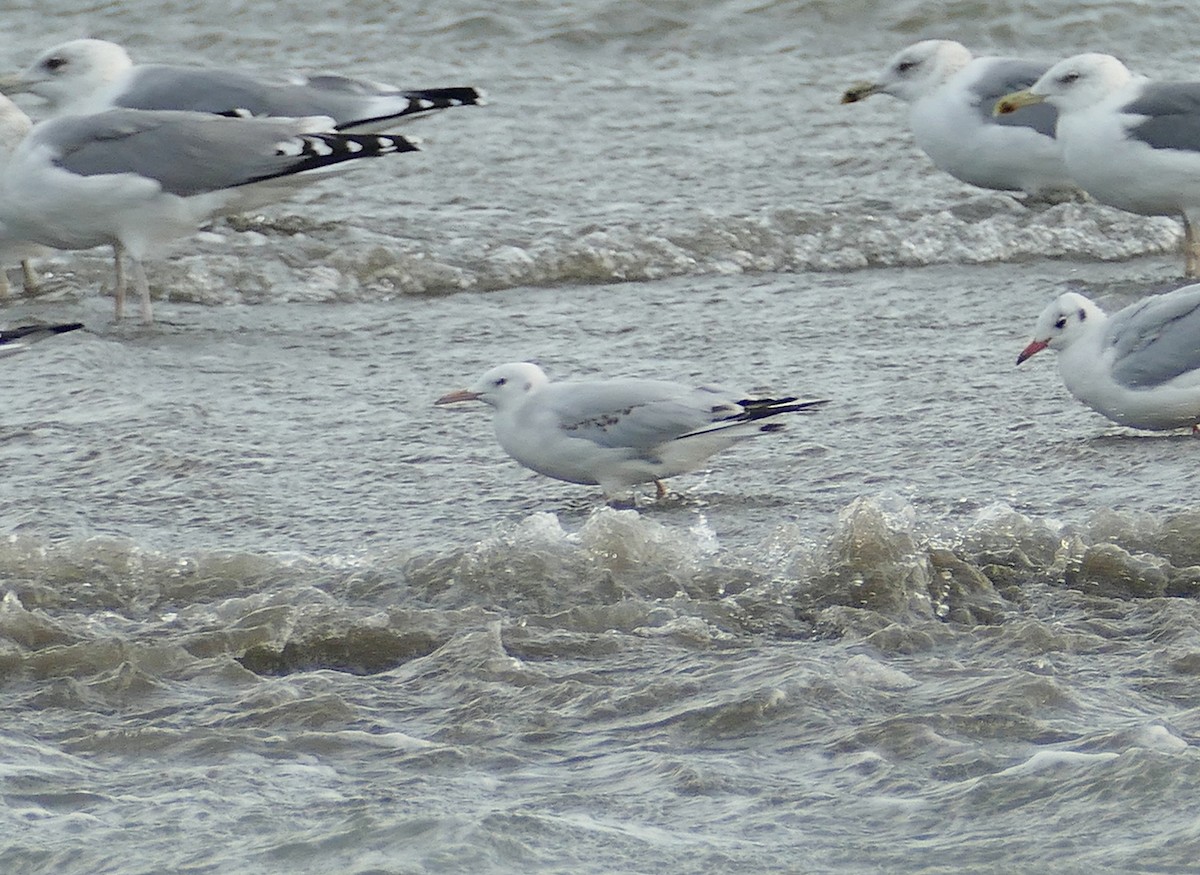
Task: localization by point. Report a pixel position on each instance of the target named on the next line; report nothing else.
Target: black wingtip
(23, 331)
(421, 103)
(758, 408)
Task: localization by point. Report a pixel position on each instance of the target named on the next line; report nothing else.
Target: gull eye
(500, 382)
(1060, 323)
(905, 66)
(1068, 78)
(54, 63)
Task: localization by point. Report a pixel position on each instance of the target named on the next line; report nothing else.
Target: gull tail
(751, 410)
(415, 104)
(320, 151)
(15, 340)
(37, 332)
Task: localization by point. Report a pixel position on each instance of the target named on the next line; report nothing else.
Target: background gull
(951, 95)
(90, 75)
(137, 180)
(617, 433)
(15, 340)
(14, 126)
(1139, 367)
(1129, 142)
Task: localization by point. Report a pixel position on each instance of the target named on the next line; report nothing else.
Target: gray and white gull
(90, 75)
(1139, 367)
(951, 93)
(138, 180)
(618, 433)
(1129, 142)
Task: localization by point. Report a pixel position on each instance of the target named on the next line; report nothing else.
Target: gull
(951, 94)
(617, 433)
(89, 75)
(1129, 142)
(139, 179)
(14, 127)
(15, 340)
(1140, 366)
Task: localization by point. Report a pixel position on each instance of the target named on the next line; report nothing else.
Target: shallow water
(269, 610)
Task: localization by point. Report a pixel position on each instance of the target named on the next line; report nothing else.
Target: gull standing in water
(1129, 142)
(86, 76)
(617, 433)
(951, 94)
(14, 127)
(138, 179)
(1139, 367)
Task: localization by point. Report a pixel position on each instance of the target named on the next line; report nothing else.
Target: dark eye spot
(1082, 314)
(905, 66)
(54, 63)
(501, 381)
(1068, 78)
(1060, 322)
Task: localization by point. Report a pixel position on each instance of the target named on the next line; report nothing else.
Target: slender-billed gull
(90, 75)
(138, 179)
(15, 340)
(951, 94)
(1129, 142)
(1139, 367)
(617, 433)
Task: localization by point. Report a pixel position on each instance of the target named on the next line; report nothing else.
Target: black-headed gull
(1139, 367)
(15, 340)
(1129, 142)
(951, 94)
(617, 433)
(137, 179)
(90, 75)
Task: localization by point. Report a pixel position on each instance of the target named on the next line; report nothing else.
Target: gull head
(504, 386)
(1075, 83)
(914, 72)
(1070, 317)
(70, 72)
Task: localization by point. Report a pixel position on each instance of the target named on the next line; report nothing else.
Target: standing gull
(951, 95)
(15, 340)
(14, 127)
(90, 75)
(1139, 367)
(617, 433)
(1129, 142)
(136, 179)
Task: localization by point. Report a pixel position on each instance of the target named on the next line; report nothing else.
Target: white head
(73, 71)
(1065, 321)
(915, 71)
(1081, 81)
(503, 386)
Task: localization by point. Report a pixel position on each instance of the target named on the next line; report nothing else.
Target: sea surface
(264, 609)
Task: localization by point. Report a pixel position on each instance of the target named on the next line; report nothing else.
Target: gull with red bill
(1139, 367)
(617, 433)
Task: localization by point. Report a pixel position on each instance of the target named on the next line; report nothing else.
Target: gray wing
(190, 153)
(349, 102)
(1003, 76)
(1156, 340)
(634, 414)
(1172, 111)
(186, 153)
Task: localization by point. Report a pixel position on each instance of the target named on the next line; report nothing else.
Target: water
(266, 609)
